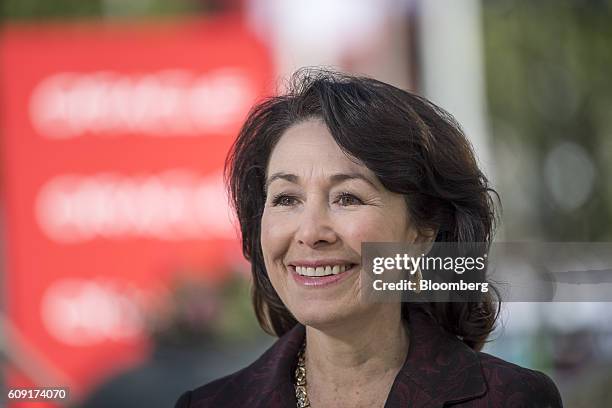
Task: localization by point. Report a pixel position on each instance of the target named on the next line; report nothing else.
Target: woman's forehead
(309, 147)
(307, 153)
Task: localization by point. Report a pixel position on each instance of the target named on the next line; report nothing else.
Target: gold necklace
(301, 394)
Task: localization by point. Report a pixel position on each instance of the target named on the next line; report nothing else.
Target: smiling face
(320, 207)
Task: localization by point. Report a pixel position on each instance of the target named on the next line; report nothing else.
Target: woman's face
(320, 207)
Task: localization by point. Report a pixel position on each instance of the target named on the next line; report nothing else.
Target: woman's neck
(356, 357)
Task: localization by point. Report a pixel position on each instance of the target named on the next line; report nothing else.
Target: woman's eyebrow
(335, 178)
(341, 177)
(292, 178)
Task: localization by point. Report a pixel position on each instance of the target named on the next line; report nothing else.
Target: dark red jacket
(440, 370)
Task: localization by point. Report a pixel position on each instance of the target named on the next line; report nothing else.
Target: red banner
(113, 142)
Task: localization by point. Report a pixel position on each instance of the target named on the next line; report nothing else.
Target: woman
(337, 161)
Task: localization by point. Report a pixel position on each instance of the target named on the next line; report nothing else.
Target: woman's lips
(320, 281)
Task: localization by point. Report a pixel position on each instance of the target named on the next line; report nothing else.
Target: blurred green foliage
(36, 9)
(15, 10)
(241, 323)
(548, 81)
(195, 312)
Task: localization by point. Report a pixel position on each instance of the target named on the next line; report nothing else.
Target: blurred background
(121, 270)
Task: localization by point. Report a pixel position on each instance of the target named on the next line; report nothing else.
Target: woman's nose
(315, 227)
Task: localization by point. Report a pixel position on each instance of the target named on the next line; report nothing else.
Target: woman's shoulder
(509, 381)
(263, 383)
(208, 394)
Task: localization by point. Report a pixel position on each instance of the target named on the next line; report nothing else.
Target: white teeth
(321, 270)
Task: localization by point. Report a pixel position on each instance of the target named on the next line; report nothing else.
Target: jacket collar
(439, 368)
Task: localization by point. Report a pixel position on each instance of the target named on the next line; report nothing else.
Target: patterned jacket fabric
(439, 371)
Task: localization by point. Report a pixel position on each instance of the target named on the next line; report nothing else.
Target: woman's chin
(321, 316)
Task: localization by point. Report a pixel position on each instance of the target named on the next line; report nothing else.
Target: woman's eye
(284, 200)
(346, 199)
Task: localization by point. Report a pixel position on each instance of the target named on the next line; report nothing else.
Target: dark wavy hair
(414, 148)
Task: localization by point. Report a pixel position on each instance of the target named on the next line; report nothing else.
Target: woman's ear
(422, 235)
(426, 237)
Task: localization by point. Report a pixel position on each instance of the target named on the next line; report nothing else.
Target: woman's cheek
(366, 227)
(275, 232)
(275, 239)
